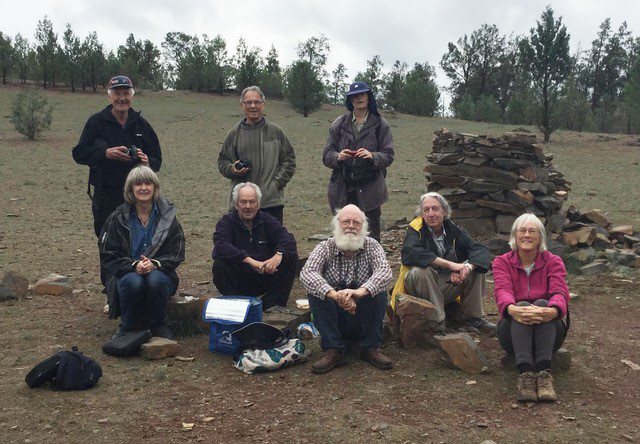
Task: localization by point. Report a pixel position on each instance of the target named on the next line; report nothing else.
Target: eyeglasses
(250, 202)
(253, 102)
(528, 230)
(347, 222)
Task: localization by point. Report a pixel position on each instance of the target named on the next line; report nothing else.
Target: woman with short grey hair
(531, 292)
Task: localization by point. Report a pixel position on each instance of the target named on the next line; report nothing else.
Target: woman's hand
(344, 154)
(364, 153)
(144, 266)
(532, 314)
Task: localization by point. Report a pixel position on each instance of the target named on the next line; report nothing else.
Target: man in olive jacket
(271, 160)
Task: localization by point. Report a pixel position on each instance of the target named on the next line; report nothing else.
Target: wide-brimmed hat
(361, 87)
(120, 82)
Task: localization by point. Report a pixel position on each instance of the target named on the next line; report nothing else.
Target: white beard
(348, 242)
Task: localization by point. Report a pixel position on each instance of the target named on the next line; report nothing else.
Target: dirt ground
(45, 227)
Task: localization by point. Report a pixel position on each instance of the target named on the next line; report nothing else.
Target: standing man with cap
(359, 150)
(258, 151)
(114, 141)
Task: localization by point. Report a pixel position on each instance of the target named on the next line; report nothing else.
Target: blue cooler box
(225, 318)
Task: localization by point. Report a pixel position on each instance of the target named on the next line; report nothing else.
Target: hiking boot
(527, 387)
(545, 387)
(374, 357)
(162, 330)
(481, 324)
(331, 359)
(120, 332)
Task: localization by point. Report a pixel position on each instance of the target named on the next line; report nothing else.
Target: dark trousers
(144, 298)
(104, 202)
(373, 216)
(531, 344)
(277, 212)
(242, 280)
(335, 325)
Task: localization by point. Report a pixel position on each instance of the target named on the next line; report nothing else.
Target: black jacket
(419, 249)
(166, 249)
(103, 131)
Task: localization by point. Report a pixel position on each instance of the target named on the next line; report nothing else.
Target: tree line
(529, 79)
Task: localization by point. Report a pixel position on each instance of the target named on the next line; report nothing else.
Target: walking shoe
(120, 332)
(545, 387)
(481, 324)
(374, 357)
(331, 359)
(441, 329)
(162, 330)
(527, 387)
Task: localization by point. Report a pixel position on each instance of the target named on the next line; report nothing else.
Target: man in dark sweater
(114, 141)
(253, 254)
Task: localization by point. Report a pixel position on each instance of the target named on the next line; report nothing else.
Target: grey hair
(237, 188)
(251, 88)
(110, 91)
(138, 175)
(335, 222)
(520, 222)
(444, 202)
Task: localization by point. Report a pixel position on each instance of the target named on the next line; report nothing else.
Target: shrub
(31, 113)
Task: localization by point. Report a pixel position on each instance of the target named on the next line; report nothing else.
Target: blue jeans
(144, 297)
(335, 324)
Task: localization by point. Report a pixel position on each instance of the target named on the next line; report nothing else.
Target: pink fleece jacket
(546, 281)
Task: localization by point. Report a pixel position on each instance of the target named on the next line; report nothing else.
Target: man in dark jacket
(359, 150)
(253, 254)
(107, 147)
(440, 262)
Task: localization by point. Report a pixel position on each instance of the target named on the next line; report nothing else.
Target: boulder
(414, 322)
(601, 242)
(556, 248)
(594, 268)
(13, 286)
(569, 238)
(624, 258)
(586, 235)
(585, 255)
(519, 198)
(555, 223)
(53, 284)
(463, 353)
(596, 217)
(159, 348)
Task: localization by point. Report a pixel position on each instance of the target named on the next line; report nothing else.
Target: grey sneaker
(527, 387)
(481, 324)
(546, 391)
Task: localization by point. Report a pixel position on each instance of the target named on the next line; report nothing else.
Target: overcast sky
(410, 30)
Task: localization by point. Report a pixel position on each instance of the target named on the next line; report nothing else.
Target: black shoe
(481, 324)
(162, 330)
(441, 329)
(120, 332)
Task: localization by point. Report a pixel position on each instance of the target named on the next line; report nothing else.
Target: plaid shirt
(328, 268)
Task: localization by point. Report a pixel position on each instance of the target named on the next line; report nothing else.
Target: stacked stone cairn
(490, 181)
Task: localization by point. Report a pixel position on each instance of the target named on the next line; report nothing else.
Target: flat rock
(159, 348)
(477, 226)
(585, 255)
(601, 242)
(284, 317)
(594, 268)
(504, 207)
(534, 187)
(460, 213)
(414, 322)
(621, 230)
(504, 223)
(519, 198)
(448, 181)
(498, 246)
(15, 282)
(624, 258)
(556, 248)
(555, 222)
(597, 217)
(53, 284)
(463, 353)
(586, 235)
(482, 187)
(561, 360)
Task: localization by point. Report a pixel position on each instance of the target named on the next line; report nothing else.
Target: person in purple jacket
(531, 292)
(253, 254)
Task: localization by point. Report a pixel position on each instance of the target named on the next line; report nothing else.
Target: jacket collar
(259, 219)
(514, 260)
(131, 117)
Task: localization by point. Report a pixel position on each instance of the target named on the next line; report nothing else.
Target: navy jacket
(103, 131)
(233, 242)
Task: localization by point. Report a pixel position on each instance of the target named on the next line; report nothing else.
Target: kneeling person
(347, 277)
(141, 245)
(440, 262)
(253, 254)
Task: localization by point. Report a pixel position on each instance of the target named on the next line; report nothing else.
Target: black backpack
(67, 370)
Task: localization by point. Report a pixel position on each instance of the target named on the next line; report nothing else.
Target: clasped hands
(269, 266)
(459, 272)
(144, 266)
(532, 314)
(362, 152)
(346, 298)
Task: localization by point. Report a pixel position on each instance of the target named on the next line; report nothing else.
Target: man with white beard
(346, 277)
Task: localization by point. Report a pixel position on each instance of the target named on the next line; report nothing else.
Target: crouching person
(346, 277)
(141, 245)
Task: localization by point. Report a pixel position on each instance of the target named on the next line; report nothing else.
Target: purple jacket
(546, 281)
(232, 240)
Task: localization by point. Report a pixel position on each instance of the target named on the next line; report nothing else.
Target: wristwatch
(279, 253)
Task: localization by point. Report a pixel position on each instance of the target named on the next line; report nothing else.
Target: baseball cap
(120, 82)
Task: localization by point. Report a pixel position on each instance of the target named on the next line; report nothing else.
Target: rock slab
(159, 348)
(53, 284)
(463, 353)
(414, 322)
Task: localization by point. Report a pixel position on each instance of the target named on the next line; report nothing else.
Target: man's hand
(257, 266)
(239, 172)
(144, 266)
(143, 157)
(456, 278)
(270, 266)
(344, 300)
(364, 153)
(119, 153)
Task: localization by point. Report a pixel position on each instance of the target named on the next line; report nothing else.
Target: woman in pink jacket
(531, 292)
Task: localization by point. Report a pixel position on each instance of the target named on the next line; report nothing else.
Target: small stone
(54, 284)
(462, 352)
(16, 282)
(159, 348)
